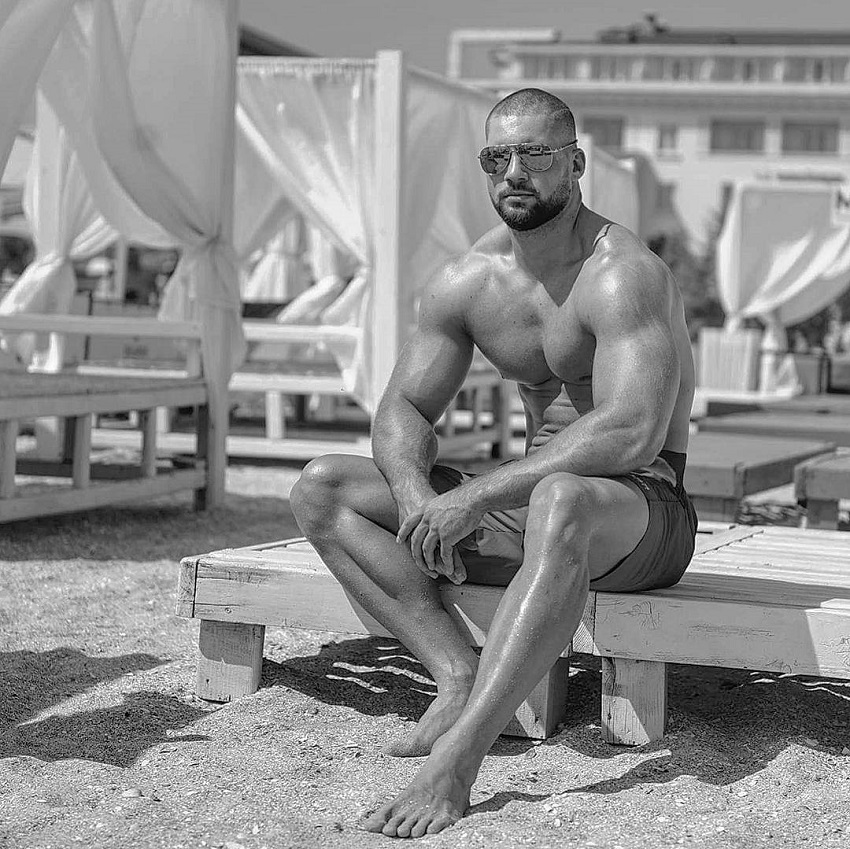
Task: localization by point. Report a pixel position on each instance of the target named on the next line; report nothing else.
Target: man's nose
(515, 172)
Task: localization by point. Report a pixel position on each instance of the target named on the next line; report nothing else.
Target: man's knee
(563, 500)
(321, 487)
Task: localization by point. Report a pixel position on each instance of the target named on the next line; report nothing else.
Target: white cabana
(381, 158)
(782, 256)
(153, 139)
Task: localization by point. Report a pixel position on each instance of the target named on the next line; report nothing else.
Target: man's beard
(534, 215)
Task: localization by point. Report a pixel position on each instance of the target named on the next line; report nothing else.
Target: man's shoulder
(621, 261)
(473, 268)
(623, 273)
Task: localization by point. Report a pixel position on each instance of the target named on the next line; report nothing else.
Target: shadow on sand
(710, 711)
(33, 682)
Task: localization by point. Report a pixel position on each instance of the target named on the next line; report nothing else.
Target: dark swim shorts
(493, 554)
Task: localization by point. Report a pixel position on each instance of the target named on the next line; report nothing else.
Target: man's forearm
(589, 446)
(404, 447)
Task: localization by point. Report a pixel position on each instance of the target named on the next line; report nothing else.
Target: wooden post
(119, 270)
(231, 660)
(202, 440)
(546, 706)
(148, 427)
(8, 457)
(821, 515)
(386, 327)
(634, 700)
(502, 415)
(81, 455)
(274, 415)
(218, 404)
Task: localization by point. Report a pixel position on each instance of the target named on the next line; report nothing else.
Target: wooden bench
(76, 399)
(828, 427)
(771, 599)
(723, 469)
(820, 484)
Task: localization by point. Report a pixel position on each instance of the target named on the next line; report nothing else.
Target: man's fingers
(429, 549)
(407, 526)
(459, 574)
(447, 555)
(417, 538)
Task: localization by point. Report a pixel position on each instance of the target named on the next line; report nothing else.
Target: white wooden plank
(98, 495)
(111, 401)
(237, 445)
(268, 331)
(730, 634)
(145, 328)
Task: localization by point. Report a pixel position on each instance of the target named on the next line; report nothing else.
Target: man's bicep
(431, 368)
(636, 367)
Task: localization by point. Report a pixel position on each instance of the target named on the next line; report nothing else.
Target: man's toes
(392, 824)
(376, 820)
(420, 829)
(406, 828)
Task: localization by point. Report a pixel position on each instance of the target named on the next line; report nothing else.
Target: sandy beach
(103, 743)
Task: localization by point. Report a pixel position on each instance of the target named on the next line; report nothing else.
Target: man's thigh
(620, 517)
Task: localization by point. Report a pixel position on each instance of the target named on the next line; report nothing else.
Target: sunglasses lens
(494, 161)
(537, 161)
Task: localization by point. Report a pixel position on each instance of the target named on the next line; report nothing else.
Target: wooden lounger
(772, 599)
(77, 398)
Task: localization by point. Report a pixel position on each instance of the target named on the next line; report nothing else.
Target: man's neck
(546, 250)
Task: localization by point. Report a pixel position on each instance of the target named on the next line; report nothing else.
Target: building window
(606, 132)
(817, 137)
(668, 138)
(737, 136)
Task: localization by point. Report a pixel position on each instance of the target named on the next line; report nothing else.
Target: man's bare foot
(441, 715)
(437, 798)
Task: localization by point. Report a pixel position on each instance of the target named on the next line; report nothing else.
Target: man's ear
(579, 163)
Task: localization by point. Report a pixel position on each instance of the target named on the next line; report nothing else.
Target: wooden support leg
(202, 424)
(634, 700)
(502, 421)
(147, 424)
(8, 456)
(545, 708)
(81, 455)
(231, 660)
(274, 415)
(163, 419)
(822, 515)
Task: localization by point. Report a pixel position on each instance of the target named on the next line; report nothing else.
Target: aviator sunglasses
(534, 157)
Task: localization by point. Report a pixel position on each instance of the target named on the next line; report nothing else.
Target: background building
(707, 106)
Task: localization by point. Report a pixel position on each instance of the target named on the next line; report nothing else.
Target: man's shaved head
(535, 101)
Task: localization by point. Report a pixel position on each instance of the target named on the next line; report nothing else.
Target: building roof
(252, 42)
(652, 30)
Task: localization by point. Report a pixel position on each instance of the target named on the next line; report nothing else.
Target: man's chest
(530, 340)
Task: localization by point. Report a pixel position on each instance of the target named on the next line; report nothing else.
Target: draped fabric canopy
(783, 254)
(310, 125)
(66, 225)
(143, 90)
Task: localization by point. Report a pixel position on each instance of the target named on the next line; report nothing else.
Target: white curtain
(282, 272)
(445, 202)
(782, 255)
(28, 29)
(161, 128)
(65, 224)
(310, 126)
